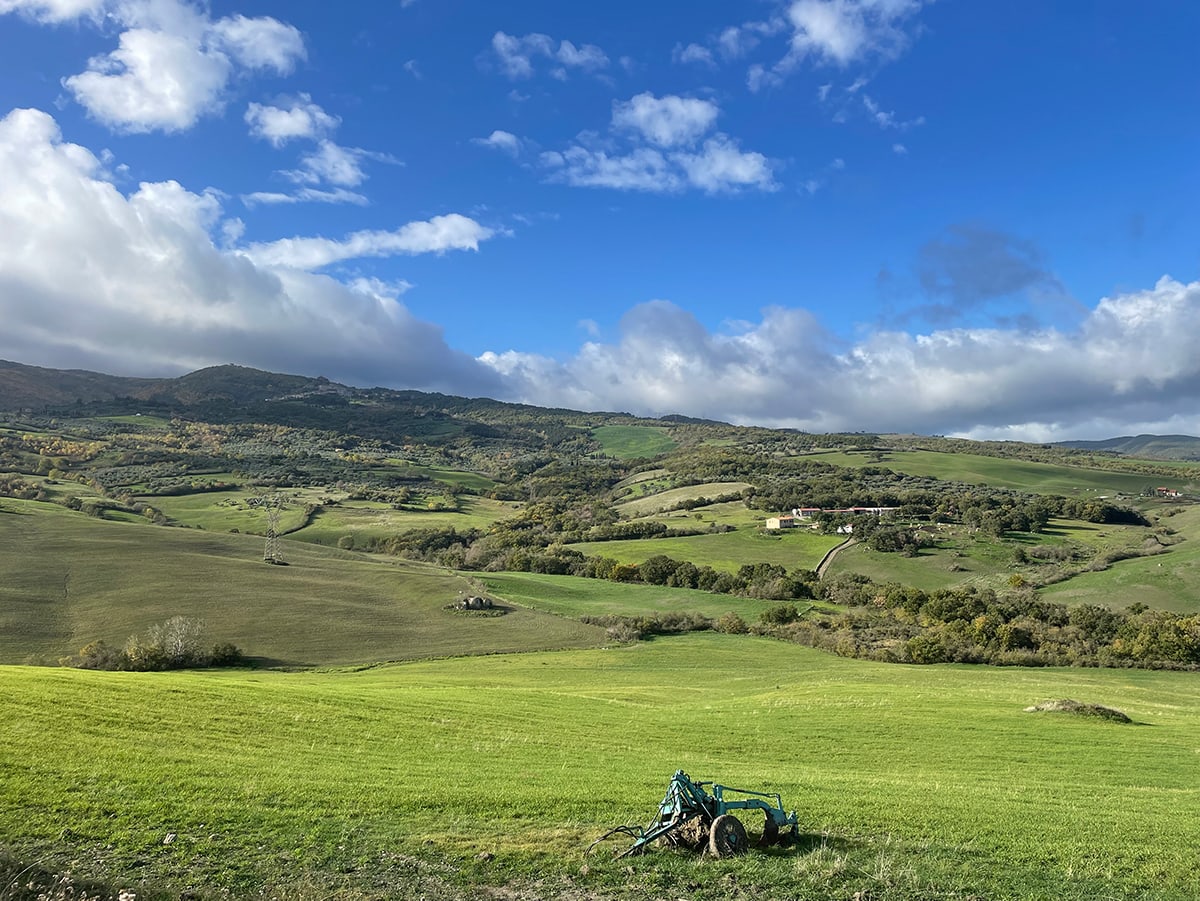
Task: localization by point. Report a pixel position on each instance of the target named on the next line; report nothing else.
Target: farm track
(830, 555)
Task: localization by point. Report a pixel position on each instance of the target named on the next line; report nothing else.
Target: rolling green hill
(70, 579)
(1001, 472)
(1152, 447)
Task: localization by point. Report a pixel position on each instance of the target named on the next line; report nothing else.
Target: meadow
(488, 777)
(960, 555)
(576, 597)
(1167, 582)
(725, 551)
(70, 579)
(627, 442)
(1004, 472)
(672, 497)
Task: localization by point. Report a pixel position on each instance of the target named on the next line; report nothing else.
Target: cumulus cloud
(173, 62)
(838, 33)
(667, 155)
(665, 121)
(298, 118)
(1131, 361)
(846, 31)
(504, 141)
(517, 55)
(135, 283)
(53, 11)
(693, 53)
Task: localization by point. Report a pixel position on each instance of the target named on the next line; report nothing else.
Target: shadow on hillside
(277, 663)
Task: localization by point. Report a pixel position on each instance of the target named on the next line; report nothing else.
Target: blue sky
(890, 215)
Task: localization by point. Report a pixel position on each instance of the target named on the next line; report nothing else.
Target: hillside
(147, 502)
(1149, 447)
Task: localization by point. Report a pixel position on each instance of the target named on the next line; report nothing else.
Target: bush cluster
(901, 624)
(174, 644)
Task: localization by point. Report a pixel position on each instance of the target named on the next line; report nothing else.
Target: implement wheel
(727, 836)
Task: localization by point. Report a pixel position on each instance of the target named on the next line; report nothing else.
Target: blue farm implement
(689, 815)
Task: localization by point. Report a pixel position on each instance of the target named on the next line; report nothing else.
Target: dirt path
(830, 554)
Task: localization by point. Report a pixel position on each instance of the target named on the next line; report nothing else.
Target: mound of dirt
(1066, 705)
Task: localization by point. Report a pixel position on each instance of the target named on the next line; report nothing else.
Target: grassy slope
(662, 500)
(924, 782)
(1041, 478)
(626, 442)
(724, 551)
(363, 520)
(70, 580)
(571, 596)
(961, 556)
(1170, 581)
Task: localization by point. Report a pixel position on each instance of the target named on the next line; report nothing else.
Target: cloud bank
(134, 283)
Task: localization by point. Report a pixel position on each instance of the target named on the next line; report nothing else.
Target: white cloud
(693, 53)
(152, 81)
(436, 235)
(643, 169)
(846, 31)
(135, 283)
(720, 166)
(173, 63)
(262, 43)
(1131, 361)
(664, 158)
(501, 140)
(518, 54)
(305, 195)
(53, 11)
(899, 149)
(665, 121)
(886, 118)
(300, 118)
(332, 164)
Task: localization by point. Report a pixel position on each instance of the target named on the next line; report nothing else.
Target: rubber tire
(727, 837)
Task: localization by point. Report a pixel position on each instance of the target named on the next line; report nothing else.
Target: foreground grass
(911, 783)
(69, 580)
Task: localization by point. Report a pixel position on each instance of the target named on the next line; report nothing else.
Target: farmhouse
(781, 522)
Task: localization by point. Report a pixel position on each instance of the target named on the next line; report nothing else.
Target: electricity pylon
(273, 504)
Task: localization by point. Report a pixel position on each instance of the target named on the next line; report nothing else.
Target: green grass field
(626, 442)
(364, 520)
(488, 777)
(575, 597)
(960, 556)
(1169, 581)
(663, 500)
(70, 579)
(725, 551)
(1039, 478)
(228, 511)
(361, 521)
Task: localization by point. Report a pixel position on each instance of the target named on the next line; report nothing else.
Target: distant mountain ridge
(1152, 447)
(23, 386)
